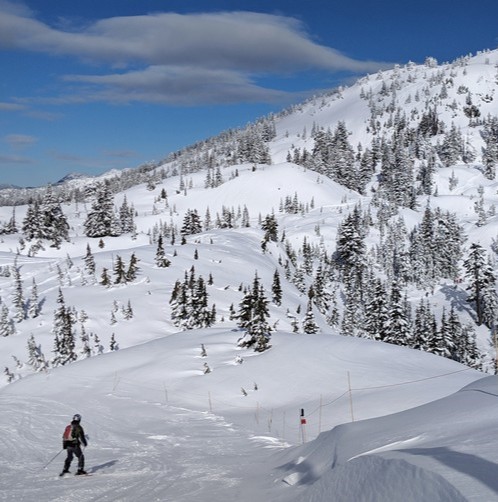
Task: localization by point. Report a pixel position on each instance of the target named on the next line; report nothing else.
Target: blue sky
(100, 84)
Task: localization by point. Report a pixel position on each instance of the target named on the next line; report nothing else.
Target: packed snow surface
(413, 427)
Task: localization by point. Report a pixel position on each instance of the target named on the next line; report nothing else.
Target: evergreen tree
(424, 327)
(113, 346)
(64, 339)
(481, 285)
(321, 297)
(100, 219)
(36, 359)
(191, 223)
(131, 273)
(351, 249)
(119, 271)
(6, 325)
(253, 318)
(34, 304)
(189, 303)
(444, 343)
(452, 148)
(376, 312)
(105, 280)
(89, 261)
(31, 223)
(54, 225)
(276, 289)
(352, 322)
(161, 260)
(270, 227)
(398, 328)
(490, 152)
(126, 223)
(128, 311)
(18, 296)
(309, 324)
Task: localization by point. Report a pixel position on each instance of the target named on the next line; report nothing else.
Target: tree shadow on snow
(481, 469)
(97, 468)
(458, 299)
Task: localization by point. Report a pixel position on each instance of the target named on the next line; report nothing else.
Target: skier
(72, 439)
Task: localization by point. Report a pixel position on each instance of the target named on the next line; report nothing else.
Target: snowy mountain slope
(412, 89)
(221, 252)
(160, 429)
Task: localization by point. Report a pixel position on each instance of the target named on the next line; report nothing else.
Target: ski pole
(52, 459)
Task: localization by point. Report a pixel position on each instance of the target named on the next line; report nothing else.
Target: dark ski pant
(71, 451)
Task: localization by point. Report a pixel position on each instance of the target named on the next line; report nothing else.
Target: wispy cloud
(11, 107)
(176, 58)
(15, 159)
(20, 141)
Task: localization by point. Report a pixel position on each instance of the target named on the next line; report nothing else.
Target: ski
(63, 474)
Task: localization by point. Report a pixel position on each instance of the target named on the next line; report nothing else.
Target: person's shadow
(97, 468)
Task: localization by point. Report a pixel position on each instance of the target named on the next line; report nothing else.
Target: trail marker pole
(350, 397)
(303, 426)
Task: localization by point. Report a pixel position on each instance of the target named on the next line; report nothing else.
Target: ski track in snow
(174, 454)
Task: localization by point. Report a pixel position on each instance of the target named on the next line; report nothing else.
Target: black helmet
(77, 417)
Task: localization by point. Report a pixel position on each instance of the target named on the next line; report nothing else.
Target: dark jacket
(78, 436)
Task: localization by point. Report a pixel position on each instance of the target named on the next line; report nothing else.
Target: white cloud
(174, 85)
(210, 57)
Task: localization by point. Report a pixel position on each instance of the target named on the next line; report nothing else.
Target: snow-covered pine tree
(133, 268)
(444, 344)
(490, 152)
(482, 283)
(100, 218)
(376, 312)
(128, 311)
(350, 250)
(105, 280)
(270, 227)
(422, 324)
(276, 289)
(30, 224)
(120, 276)
(53, 222)
(309, 325)
(160, 259)
(6, 324)
(126, 217)
(398, 329)
(34, 303)
(191, 223)
(64, 339)
(36, 358)
(113, 345)
(89, 261)
(253, 317)
(18, 301)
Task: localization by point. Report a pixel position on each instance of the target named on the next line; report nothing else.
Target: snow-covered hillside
(160, 429)
(167, 422)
